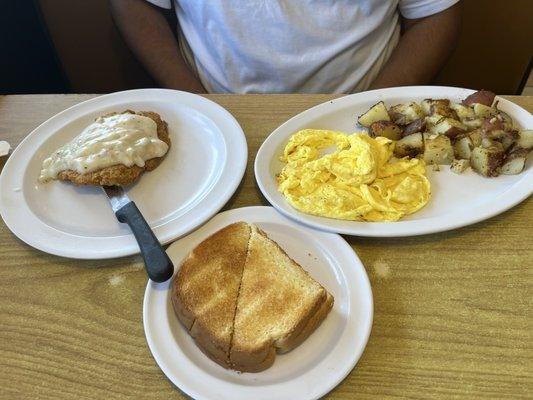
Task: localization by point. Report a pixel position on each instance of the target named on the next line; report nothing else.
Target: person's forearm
(149, 36)
(422, 50)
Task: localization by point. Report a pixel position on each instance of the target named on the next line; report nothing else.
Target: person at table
(290, 46)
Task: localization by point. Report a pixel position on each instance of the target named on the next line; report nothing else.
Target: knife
(158, 265)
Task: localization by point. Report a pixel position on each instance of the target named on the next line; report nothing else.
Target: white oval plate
(456, 201)
(307, 372)
(202, 170)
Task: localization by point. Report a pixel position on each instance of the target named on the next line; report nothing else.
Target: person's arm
(424, 47)
(149, 36)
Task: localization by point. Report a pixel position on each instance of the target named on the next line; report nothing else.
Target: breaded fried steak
(119, 173)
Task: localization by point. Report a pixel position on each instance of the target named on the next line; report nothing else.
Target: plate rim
(509, 198)
(359, 270)
(235, 168)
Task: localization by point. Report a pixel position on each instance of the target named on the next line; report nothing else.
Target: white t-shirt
(292, 46)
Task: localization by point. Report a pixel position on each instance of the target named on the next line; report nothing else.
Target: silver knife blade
(117, 197)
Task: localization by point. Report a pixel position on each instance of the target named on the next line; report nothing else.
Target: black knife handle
(158, 265)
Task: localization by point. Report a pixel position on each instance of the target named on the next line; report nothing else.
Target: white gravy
(127, 139)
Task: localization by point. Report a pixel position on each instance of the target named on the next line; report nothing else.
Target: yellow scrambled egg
(351, 177)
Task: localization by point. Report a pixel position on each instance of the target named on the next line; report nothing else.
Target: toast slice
(205, 290)
(278, 305)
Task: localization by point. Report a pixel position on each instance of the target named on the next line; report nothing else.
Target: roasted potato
(484, 97)
(409, 146)
(404, 114)
(509, 139)
(462, 111)
(437, 149)
(487, 142)
(525, 139)
(426, 106)
(514, 162)
(493, 127)
(483, 111)
(433, 120)
(475, 137)
(418, 125)
(378, 112)
(459, 166)
(444, 110)
(472, 123)
(386, 129)
(449, 127)
(487, 161)
(438, 106)
(463, 148)
(508, 123)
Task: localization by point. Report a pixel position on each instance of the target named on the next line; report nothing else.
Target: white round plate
(201, 171)
(307, 372)
(456, 201)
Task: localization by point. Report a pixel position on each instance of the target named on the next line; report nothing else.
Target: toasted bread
(120, 174)
(206, 286)
(277, 301)
(265, 302)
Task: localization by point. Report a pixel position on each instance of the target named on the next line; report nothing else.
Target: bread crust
(121, 175)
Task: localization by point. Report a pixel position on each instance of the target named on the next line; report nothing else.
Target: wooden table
(452, 310)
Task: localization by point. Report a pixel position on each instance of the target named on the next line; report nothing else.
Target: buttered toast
(205, 290)
(243, 299)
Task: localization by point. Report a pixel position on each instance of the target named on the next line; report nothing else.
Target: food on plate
(484, 97)
(440, 131)
(515, 162)
(385, 129)
(437, 149)
(351, 177)
(525, 139)
(243, 299)
(487, 160)
(459, 166)
(404, 114)
(378, 112)
(114, 150)
(409, 146)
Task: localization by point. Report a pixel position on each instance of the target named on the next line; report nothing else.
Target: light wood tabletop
(452, 310)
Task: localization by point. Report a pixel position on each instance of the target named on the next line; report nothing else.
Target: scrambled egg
(359, 180)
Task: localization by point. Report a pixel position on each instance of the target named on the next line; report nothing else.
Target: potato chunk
(472, 123)
(437, 149)
(386, 129)
(378, 112)
(463, 148)
(438, 106)
(409, 146)
(514, 162)
(525, 139)
(483, 111)
(449, 127)
(404, 114)
(487, 161)
(433, 120)
(462, 111)
(459, 166)
(475, 137)
(418, 125)
(484, 97)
